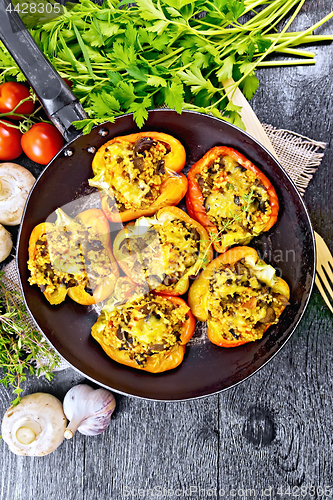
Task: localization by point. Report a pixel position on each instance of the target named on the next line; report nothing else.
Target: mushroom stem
(72, 427)
(25, 435)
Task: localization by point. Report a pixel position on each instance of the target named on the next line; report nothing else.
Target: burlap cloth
(298, 155)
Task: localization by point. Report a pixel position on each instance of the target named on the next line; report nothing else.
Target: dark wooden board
(273, 429)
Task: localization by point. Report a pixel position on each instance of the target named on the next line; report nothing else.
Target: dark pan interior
(288, 246)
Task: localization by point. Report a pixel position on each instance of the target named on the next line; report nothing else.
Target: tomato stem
(8, 124)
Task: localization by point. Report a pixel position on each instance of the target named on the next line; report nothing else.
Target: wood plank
(275, 427)
(153, 445)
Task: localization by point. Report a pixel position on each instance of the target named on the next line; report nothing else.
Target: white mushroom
(34, 427)
(6, 243)
(15, 185)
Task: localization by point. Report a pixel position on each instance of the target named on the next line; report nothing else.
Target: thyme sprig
(21, 346)
(234, 217)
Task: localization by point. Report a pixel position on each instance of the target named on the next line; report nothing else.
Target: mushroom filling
(162, 254)
(235, 200)
(132, 173)
(240, 304)
(144, 326)
(69, 256)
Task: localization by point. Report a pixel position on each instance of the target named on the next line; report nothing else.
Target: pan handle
(59, 102)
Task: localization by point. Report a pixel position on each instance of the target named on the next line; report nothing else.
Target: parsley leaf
(225, 71)
(123, 58)
(196, 80)
(140, 111)
(249, 86)
(174, 96)
(156, 81)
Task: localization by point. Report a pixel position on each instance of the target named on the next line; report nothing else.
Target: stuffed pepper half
(230, 197)
(239, 296)
(74, 257)
(139, 173)
(147, 331)
(162, 252)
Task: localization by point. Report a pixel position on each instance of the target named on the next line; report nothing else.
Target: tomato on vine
(11, 93)
(42, 142)
(10, 141)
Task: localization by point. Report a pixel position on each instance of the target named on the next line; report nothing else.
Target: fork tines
(324, 274)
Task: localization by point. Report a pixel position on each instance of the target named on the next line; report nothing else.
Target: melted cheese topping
(162, 253)
(131, 178)
(69, 256)
(240, 305)
(235, 201)
(144, 326)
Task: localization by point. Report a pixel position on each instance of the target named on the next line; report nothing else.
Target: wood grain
(275, 429)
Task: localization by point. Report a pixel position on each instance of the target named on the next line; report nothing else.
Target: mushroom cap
(15, 185)
(6, 243)
(38, 417)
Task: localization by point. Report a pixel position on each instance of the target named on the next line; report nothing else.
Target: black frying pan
(288, 246)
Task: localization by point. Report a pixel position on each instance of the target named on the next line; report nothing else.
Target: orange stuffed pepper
(239, 296)
(139, 173)
(73, 257)
(147, 331)
(163, 251)
(230, 197)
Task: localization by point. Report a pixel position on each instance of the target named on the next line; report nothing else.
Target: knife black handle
(59, 102)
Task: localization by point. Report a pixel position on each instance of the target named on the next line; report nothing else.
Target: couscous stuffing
(132, 173)
(143, 326)
(240, 305)
(163, 253)
(69, 256)
(235, 200)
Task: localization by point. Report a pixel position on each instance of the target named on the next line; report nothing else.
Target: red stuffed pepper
(230, 197)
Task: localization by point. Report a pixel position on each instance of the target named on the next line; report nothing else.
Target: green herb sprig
(21, 346)
(172, 53)
(234, 217)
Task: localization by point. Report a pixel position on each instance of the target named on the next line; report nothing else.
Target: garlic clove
(88, 410)
(35, 427)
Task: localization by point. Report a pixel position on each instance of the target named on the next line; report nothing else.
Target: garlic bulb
(35, 427)
(88, 410)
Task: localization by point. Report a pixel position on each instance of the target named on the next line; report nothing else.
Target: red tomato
(11, 93)
(42, 142)
(68, 82)
(10, 142)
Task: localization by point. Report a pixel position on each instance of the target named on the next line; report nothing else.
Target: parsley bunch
(176, 53)
(21, 346)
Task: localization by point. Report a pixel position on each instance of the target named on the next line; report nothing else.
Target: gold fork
(254, 128)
